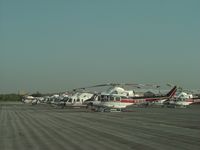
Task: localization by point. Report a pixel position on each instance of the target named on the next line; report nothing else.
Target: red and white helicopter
(182, 99)
(117, 98)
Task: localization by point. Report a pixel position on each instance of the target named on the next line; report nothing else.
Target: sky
(52, 46)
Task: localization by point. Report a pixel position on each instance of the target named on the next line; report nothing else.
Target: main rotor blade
(119, 84)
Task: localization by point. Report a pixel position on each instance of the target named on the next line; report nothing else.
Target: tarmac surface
(43, 127)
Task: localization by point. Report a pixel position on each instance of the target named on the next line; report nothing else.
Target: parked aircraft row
(116, 97)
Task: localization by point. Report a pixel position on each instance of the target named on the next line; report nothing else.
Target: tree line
(17, 97)
(10, 97)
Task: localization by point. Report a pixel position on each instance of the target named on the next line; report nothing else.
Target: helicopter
(182, 98)
(116, 100)
(80, 97)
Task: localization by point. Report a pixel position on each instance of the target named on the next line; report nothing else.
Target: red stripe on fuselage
(140, 100)
(154, 99)
(127, 101)
(189, 100)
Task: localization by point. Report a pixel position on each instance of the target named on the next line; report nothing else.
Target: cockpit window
(112, 98)
(114, 92)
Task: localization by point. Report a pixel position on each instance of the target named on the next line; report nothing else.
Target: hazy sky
(56, 45)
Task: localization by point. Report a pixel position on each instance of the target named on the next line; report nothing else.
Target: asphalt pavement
(43, 127)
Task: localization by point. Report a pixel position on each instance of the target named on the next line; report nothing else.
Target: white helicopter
(77, 99)
(81, 97)
(57, 99)
(180, 99)
(117, 98)
(32, 100)
(28, 99)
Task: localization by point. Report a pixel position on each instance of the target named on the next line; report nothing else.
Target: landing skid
(105, 109)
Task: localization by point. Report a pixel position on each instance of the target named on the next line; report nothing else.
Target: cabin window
(117, 98)
(112, 98)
